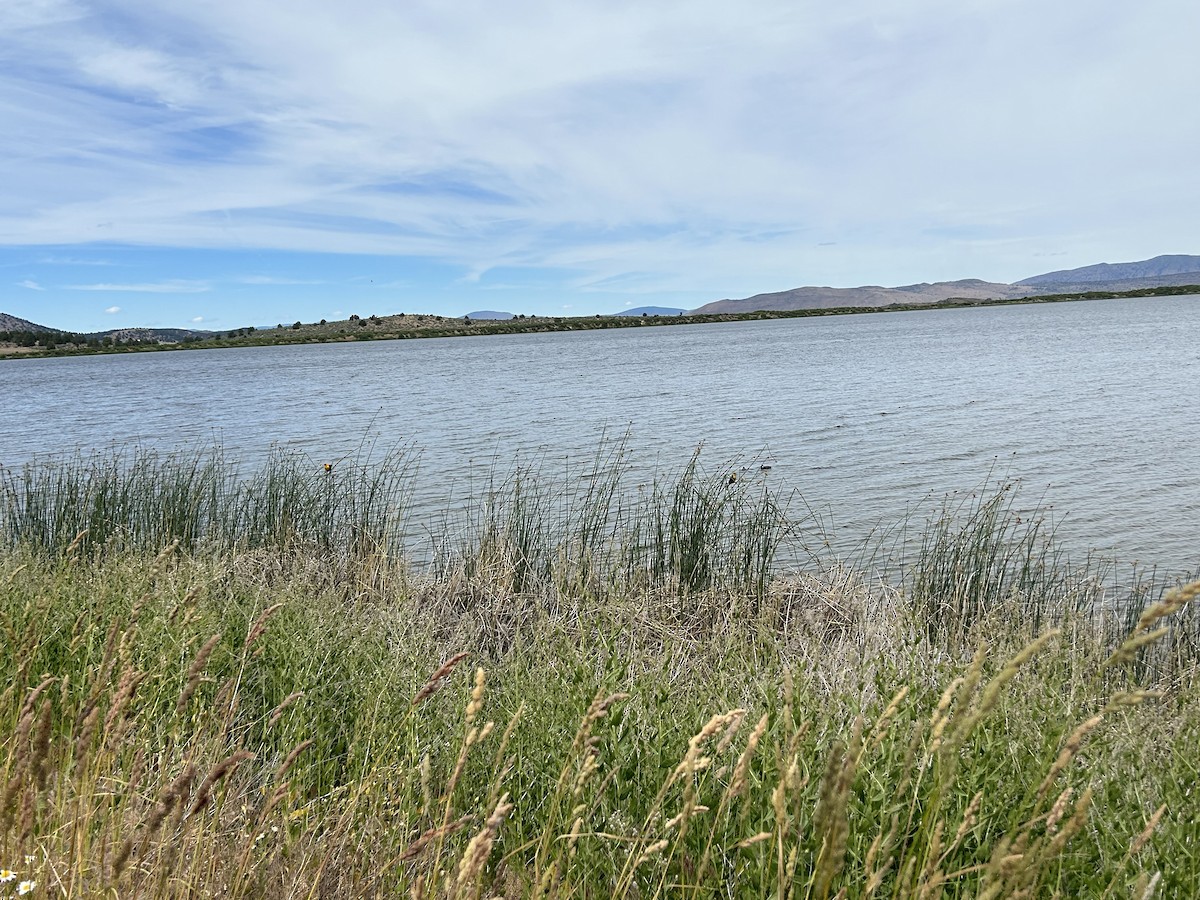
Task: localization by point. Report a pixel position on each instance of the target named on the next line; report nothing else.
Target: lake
(1092, 405)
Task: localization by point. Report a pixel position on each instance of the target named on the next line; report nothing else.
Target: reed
(143, 499)
(216, 717)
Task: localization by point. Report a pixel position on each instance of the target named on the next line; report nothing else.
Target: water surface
(1092, 405)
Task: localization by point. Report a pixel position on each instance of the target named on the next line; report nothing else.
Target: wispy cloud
(30, 284)
(272, 279)
(113, 310)
(72, 261)
(156, 287)
(690, 145)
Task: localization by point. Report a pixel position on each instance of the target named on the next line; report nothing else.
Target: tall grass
(981, 553)
(235, 685)
(144, 499)
(198, 726)
(688, 531)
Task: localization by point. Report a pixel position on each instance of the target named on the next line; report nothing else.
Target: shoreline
(418, 326)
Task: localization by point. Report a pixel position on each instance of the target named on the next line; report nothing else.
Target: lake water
(1093, 406)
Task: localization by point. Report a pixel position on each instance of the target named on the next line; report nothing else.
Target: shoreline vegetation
(240, 684)
(26, 345)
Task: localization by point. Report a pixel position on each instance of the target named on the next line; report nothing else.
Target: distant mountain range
(651, 311)
(1161, 271)
(496, 315)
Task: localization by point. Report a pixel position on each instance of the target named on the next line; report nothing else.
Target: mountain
(1159, 267)
(1162, 271)
(12, 323)
(651, 311)
(166, 335)
(489, 314)
(869, 295)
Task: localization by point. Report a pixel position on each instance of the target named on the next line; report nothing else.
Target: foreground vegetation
(240, 685)
(406, 326)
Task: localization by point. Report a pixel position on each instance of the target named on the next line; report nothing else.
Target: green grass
(649, 704)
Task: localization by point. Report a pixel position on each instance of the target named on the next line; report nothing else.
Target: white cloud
(30, 284)
(72, 261)
(270, 280)
(113, 310)
(173, 286)
(197, 320)
(672, 144)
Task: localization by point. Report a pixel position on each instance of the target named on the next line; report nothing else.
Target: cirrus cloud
(173, 286)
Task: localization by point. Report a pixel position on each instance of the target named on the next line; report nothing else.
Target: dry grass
(609, 703)
(177, 728)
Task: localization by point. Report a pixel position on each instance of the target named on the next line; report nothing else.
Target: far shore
(408, 326)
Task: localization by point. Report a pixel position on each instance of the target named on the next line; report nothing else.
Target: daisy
(25, 887)
(7, 875)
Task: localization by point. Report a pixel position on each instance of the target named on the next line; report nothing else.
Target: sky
(227, 163)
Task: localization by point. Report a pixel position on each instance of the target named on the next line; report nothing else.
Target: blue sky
(248, 162)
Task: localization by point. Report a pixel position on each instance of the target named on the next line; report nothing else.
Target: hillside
(651, 311)
(1161, 271)
(1159, 267)
(12, 323)
(868, 296)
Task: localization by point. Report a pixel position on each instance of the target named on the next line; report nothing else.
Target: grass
(593, 695)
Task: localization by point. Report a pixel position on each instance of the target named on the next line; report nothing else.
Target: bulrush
(645, 718)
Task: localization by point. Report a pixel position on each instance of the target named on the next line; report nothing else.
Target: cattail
(193, 675)
(435, 680)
